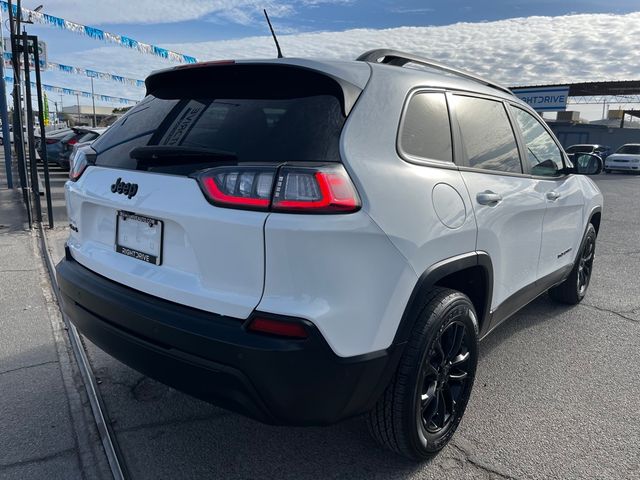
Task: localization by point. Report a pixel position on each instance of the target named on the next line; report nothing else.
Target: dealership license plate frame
(137, 253)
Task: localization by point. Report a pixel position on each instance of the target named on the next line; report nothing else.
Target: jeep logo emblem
(128, 189)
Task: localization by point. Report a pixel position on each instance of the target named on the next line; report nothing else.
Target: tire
(422, 406)
(574, 288)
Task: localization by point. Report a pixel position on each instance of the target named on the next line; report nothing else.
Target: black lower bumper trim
(212, 357)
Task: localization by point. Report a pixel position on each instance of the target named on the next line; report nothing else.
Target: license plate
(139, 237)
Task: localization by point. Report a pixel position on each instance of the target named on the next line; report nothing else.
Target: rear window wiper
(149, 155)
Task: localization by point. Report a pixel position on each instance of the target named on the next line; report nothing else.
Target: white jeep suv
(304, 241)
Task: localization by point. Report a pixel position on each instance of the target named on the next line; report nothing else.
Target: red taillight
(240, 187)
(302, 189)
(79, 164)
(73, 141)
(315, 190)
(51, 141)
(282, 328)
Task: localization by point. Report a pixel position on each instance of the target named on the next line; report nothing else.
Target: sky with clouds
(516, 42)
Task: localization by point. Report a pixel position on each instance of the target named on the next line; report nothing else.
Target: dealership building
(620, 126)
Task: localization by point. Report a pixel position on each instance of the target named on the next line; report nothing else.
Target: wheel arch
(470, 273)
(594, 218)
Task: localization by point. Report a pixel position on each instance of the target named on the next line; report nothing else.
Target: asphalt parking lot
(556, 396)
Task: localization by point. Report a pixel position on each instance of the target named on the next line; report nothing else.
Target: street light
(37, 9)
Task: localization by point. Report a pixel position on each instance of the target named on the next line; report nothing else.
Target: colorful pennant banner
(98, 34)
(58, 67)
(81, 93)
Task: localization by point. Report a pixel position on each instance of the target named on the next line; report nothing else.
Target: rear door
(144, 221)
(509, 208)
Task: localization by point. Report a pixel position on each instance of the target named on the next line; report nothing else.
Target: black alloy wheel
(585, 264)
(573, 289)
(423, 404)
(445, 378)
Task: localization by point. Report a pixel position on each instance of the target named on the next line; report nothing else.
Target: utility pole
(18, 142)
(4, 114)
(93, 101)
(78, 101)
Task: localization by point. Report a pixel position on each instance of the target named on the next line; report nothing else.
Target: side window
(426, 132)
(543, 155)
(487, 136)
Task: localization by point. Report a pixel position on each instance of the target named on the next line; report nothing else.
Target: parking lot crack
(45, 458)
(28, 366)
(470, 458)
(613, 312)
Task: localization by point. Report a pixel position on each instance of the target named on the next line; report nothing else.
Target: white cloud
(515, 51)
(410, 10)
(521, 51)
(103, 12)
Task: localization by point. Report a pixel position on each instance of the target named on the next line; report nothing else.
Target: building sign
(544, 99)
(42, 52)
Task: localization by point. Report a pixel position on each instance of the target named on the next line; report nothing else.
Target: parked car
(83, 136)
(625, 159)
(24, 130)
(49, 134)
(603, 151)
(52, 143)
(310, 247)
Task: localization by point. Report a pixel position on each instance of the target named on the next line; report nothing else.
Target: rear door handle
(553, 196)
(488, 198)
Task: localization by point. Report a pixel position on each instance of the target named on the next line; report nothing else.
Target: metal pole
(43, 136)
(17, 117)
(93, 100)
(35, 187)
(78, 102)
(4, 113)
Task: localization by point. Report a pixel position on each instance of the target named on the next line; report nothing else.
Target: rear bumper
(212, 357)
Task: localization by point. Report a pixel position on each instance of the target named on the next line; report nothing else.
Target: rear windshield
(630, 149)
(256, 126)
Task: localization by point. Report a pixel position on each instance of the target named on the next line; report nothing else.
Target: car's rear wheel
(424, 403)
(574, 288)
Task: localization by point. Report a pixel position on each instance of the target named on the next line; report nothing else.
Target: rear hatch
(138, 213)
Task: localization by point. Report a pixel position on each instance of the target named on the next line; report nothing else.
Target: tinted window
(543, 155)
(426, 132)
(487, 136)
(290, 115)
(87, 137)
(630, 149)
(580, 149)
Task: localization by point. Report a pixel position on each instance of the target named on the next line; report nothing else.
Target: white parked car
(304, 241)
(625, 159)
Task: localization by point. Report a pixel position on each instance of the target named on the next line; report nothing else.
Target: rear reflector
(281, 328)
(301, 189)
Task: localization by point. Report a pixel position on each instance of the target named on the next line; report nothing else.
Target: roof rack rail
(394, 57)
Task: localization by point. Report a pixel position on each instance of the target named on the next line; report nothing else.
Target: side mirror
(587, 163)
